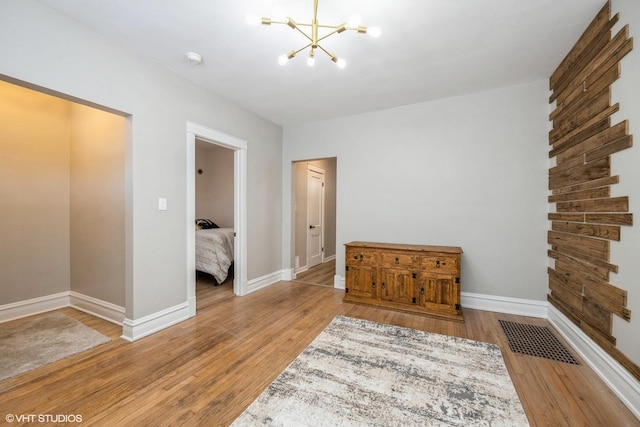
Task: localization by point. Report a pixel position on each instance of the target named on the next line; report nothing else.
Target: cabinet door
(439, 293)
(396, 285)
(360, 282)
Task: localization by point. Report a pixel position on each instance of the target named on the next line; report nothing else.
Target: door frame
(239, 148)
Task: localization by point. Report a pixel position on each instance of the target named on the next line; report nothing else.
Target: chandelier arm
(335, 26)
(326, 51)
(299, 24)
(295, 52)
(327, 35)
(302, 32)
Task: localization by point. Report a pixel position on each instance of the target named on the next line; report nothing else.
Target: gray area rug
(26, 344)
(361, 373)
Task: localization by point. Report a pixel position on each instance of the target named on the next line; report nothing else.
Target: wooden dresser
(413, 278)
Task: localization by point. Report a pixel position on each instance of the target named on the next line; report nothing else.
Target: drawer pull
(397, 260)
(373, 285)
(384, 286)
(438, 264)
(422, 291)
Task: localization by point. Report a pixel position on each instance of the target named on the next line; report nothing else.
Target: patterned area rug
(26, 344)
(361, 373)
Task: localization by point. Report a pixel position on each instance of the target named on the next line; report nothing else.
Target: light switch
(162, 204)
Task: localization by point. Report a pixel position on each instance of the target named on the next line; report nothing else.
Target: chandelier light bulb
(354, 21)
(341, 63)
(374, 32)
(283, 59)
(311, 60)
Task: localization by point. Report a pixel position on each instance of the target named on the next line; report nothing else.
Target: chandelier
(314, 39)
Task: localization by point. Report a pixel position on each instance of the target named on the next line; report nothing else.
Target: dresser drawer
(440, 264)
(360, 256)
(399, 259)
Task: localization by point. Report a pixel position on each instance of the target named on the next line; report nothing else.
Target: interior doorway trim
(239, 147)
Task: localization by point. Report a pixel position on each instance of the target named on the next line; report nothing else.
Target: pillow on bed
(205, 224)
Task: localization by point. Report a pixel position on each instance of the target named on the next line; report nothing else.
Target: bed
(214, 252)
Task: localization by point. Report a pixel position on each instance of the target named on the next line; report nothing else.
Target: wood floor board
(208, 369)
(321, 274)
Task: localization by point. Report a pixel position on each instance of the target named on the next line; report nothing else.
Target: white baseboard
(135, 329)
(620, 381)
(522, 307)
(288, 274)
(102, 309)
(33, 306)
(269, 279)
(191, 301)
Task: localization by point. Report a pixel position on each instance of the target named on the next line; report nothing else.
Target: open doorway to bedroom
(216, 195)
(314, 213)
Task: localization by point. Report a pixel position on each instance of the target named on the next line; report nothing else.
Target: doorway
(239, 148)
(314, 212)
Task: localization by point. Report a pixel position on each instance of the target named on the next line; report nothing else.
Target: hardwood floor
(321, 274)
(208, 369)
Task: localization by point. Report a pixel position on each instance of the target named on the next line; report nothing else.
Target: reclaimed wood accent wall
(587, 218)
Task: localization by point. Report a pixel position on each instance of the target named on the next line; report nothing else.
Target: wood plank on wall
(597, 248)
(599, 169)
(584, 216)
(618, 45)
(594, 83)
(611, 204)
(586, 39)
(604, 137)
(610, 232)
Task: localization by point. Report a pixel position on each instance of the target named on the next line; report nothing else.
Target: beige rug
(361, 373)
(26, 344)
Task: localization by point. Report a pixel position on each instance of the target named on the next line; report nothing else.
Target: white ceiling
(429, 49)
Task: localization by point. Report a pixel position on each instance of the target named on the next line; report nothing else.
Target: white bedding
(214, 252)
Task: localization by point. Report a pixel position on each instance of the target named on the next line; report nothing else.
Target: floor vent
(536, 341)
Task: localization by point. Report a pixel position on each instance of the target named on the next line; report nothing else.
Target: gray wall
(34, 194)
(625, 253)
(214, 186)
(97, 235)
(468, 171)
(44, 48)
(63, 198)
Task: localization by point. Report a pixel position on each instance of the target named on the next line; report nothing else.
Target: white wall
(469, 171)
(625, 253)
(44, 48)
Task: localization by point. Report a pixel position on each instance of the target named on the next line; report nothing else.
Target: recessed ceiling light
(194, 57)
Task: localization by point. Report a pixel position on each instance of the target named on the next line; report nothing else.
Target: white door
(315, 216)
